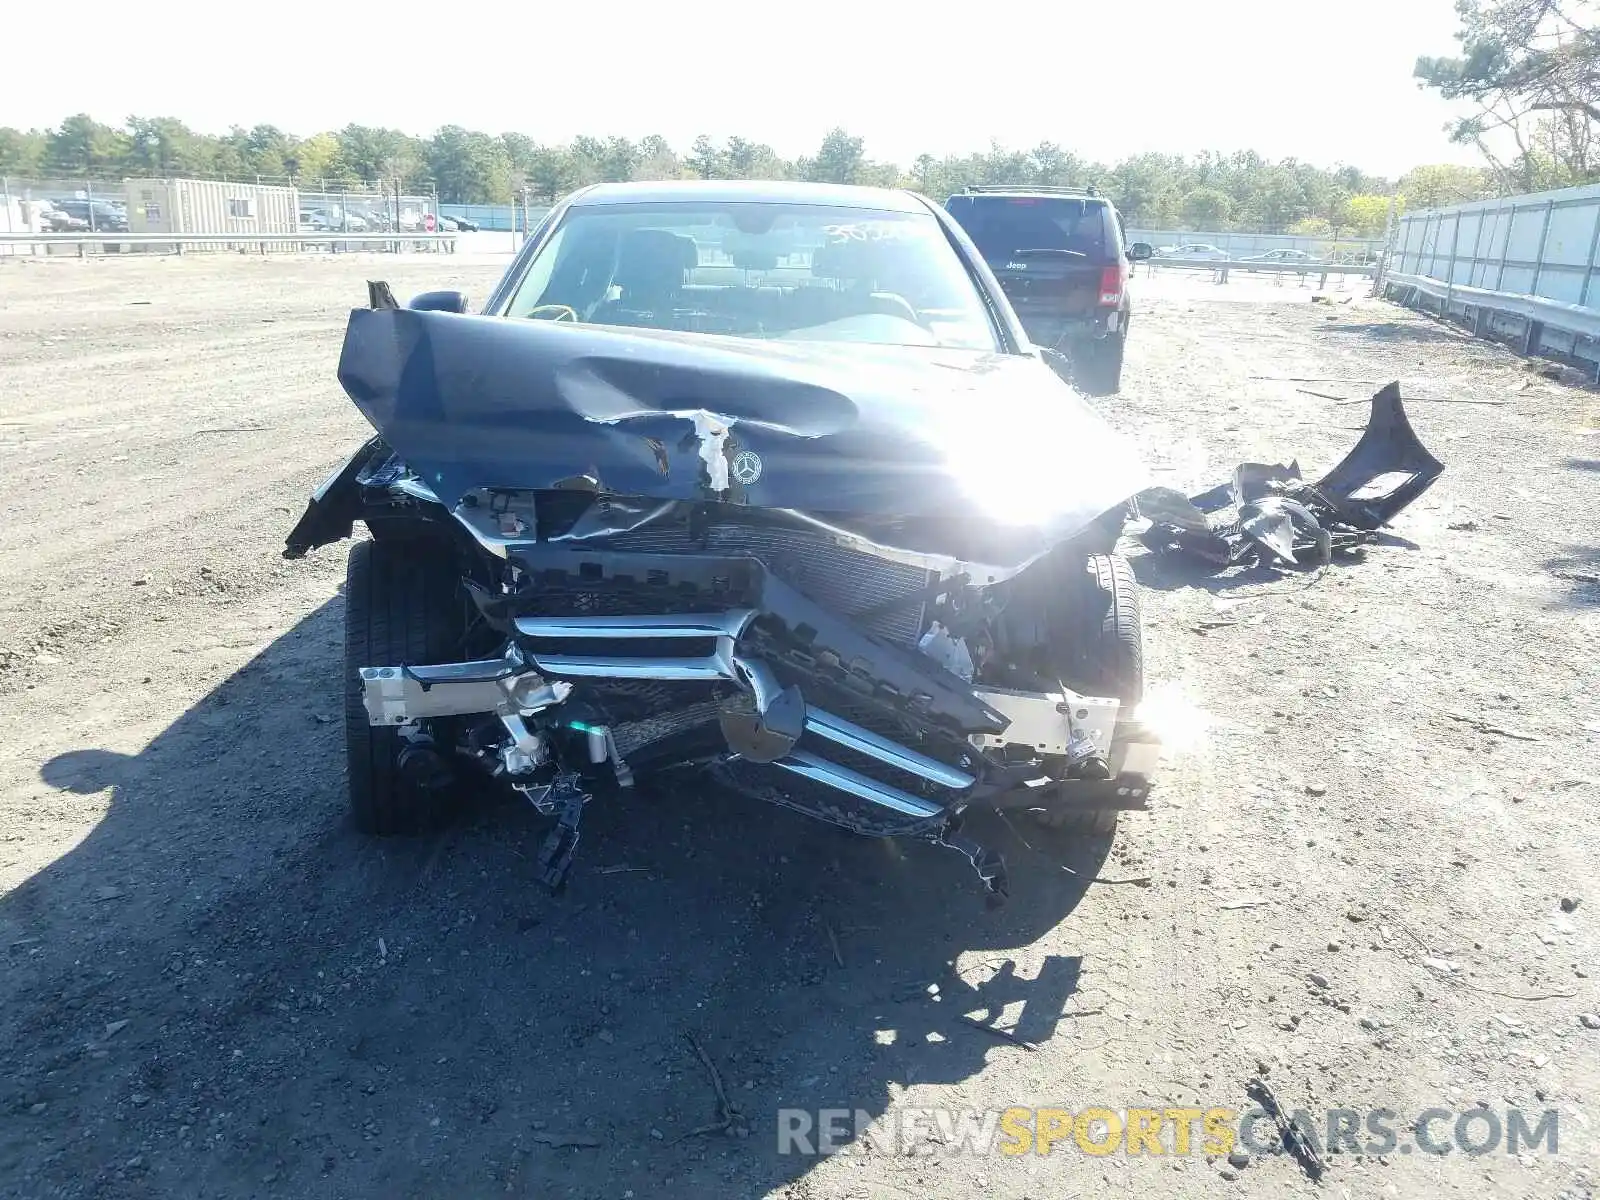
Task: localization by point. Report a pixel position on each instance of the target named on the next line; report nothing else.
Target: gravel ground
(1380, 789)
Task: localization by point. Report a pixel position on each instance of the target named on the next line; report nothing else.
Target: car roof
(1039, 193)
(756, 191)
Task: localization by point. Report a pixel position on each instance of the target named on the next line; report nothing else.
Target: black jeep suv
(1061, 259)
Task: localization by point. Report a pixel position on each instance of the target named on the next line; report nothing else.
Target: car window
(749, 269)
(1001, 226)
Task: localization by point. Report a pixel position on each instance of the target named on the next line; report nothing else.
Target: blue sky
(1327, 83)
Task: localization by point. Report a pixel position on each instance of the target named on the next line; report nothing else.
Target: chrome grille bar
(819, 770)
(864, 741)
(724, 628)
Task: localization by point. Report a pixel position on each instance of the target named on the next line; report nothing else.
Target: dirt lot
(1384, 776)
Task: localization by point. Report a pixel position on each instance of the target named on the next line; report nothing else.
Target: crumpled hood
(832, 430)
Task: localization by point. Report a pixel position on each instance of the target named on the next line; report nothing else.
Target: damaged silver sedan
(759, 478)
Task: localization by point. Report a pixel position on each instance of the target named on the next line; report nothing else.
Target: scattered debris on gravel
(1268, 514)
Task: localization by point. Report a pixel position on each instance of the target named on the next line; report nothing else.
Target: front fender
(335, 505)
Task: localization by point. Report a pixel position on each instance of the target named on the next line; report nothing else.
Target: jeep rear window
(1002, 225)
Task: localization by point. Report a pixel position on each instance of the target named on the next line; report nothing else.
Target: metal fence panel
(36, 204)
(1526, 228)
(84, 244)
(1521, 267)
(1541, 245)
(1568, 239)
(101, 206)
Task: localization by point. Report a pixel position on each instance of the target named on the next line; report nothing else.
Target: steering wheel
(563, 312)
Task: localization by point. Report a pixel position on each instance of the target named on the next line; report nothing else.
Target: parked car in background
(52, 220)
(1283, 255)
(1194, 252)
(102, 216)
(1060, 258)
(331, 219)
(1359, 256)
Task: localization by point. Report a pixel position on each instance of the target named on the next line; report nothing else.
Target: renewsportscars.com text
(1172, 1131)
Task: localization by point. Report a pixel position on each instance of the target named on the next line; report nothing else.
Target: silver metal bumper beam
(394, 695)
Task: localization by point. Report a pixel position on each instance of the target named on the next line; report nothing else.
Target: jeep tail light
(1111, 285)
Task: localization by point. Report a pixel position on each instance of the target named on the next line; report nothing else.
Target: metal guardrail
(83, 241)
(1573, 317)
(1241, 245)
(1538, 325)
(1366, 271)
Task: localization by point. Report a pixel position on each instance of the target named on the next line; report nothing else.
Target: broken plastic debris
(1267, 512)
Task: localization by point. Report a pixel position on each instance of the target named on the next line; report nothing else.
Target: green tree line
(1210, 191)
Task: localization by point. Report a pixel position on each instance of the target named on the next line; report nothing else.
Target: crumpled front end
(962, 459)
(859, 690)
(816, 570)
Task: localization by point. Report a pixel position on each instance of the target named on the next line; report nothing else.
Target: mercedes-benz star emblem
(747, 467)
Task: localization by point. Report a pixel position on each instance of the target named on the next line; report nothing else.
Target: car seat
(651, 265)
(865, 273)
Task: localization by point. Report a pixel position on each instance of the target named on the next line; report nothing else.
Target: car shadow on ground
(321, 1014)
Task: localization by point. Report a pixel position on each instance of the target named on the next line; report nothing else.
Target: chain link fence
(62, 205)
(366, 210)
(65, 205)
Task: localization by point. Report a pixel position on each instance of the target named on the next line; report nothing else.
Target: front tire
(1104, 654)
(402, 606)
(1101, 649)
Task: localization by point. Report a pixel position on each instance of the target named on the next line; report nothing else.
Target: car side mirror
(1141, 252)
(446, 301)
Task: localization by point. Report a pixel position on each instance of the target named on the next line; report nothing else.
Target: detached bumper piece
(1268, 514)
